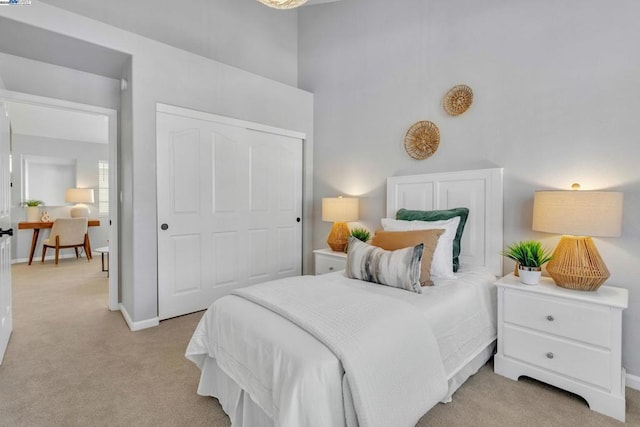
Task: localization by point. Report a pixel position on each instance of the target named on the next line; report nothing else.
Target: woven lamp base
(577, 264)
(338, 237)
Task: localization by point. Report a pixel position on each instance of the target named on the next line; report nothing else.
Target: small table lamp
(80, 196)
(339, 210)
(577, 215)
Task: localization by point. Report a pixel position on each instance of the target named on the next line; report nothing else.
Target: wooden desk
(37, 226)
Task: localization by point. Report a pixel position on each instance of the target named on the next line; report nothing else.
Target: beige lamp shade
(339, 210)
(80, 196)
(578, 215)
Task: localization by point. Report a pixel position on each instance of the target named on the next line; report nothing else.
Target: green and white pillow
(440, 215)
(399, 269)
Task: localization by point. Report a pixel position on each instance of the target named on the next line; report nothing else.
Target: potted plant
(361, 234)
(530, 256)
(33, 212)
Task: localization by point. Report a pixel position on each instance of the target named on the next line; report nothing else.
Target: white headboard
(478, 190)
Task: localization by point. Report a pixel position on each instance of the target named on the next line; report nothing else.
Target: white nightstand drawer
(326, 265)
(328, 261)
(577, 348)
(581, 362)
(582, 322)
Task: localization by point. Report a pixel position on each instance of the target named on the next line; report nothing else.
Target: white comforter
(395, 386)
(297, 381)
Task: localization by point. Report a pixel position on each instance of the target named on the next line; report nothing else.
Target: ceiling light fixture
(283, 4)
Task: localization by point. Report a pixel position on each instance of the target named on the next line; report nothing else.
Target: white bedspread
(298, 379)
(394, 385)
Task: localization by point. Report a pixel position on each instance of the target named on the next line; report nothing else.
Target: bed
(266, 370)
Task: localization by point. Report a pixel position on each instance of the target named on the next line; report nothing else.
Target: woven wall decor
(458, 100)
(422, 140)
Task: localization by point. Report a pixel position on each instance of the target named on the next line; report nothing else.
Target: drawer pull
(549, 355)
(330, 268)
(550, 318)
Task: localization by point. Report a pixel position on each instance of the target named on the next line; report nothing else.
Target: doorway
(57, 111)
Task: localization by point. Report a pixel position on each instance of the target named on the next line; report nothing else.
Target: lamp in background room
(80, 196)
(283, 4)
(578, 216)
(339, 210)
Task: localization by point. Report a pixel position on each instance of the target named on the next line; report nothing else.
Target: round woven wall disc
(422, 140)
(458, 100)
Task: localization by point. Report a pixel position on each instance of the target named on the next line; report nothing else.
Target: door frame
(114, 199)
(6, 308)
(210, 117)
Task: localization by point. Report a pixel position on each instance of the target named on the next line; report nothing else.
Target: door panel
(186, 251)
(260, 256)
(185, 151)
(6, 318)
(230, 198)
(224, 176)
(225, 255)
(259, 171)
(286, 238)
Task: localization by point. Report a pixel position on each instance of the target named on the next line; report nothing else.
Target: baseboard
(137, 326)
(633, 381)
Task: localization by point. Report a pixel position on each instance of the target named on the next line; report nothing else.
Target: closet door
(229, 200)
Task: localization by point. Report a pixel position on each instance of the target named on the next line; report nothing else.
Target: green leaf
(528, 253)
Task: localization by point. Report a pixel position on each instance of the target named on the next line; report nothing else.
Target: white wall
(160, 73)
(556, 102)
(241, 33)
(86, 156)
(38, 78)
(125, 179)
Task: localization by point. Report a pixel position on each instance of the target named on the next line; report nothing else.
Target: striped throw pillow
(399, 269)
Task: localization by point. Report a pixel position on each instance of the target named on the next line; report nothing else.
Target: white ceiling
(37, 120)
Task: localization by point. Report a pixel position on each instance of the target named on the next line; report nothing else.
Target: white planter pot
(33, 214)
(529, 275)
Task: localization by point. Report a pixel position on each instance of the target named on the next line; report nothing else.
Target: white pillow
(442, 263)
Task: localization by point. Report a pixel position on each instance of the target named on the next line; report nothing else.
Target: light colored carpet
(71, 362)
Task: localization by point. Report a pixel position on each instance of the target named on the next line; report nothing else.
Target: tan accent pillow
(393, 240)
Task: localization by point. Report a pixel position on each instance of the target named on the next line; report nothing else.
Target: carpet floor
(72, 362)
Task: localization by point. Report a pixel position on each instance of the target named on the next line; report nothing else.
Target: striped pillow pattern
(399, 269)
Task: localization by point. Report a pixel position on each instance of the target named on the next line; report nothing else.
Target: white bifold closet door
(229, 210)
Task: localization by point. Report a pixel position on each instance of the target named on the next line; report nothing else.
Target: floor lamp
(578, 215)
(339, 210)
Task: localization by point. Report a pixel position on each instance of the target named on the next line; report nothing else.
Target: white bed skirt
(244, 412)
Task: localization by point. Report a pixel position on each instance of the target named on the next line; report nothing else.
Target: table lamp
(339, 210)
(80, 196)
(578, 215)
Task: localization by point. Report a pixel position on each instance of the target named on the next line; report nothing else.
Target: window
(46, 178)
(103, 188)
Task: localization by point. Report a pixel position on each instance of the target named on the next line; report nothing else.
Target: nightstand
(328, 261)
(566, 338)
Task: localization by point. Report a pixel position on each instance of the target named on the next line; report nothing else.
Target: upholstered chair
(68, 233)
